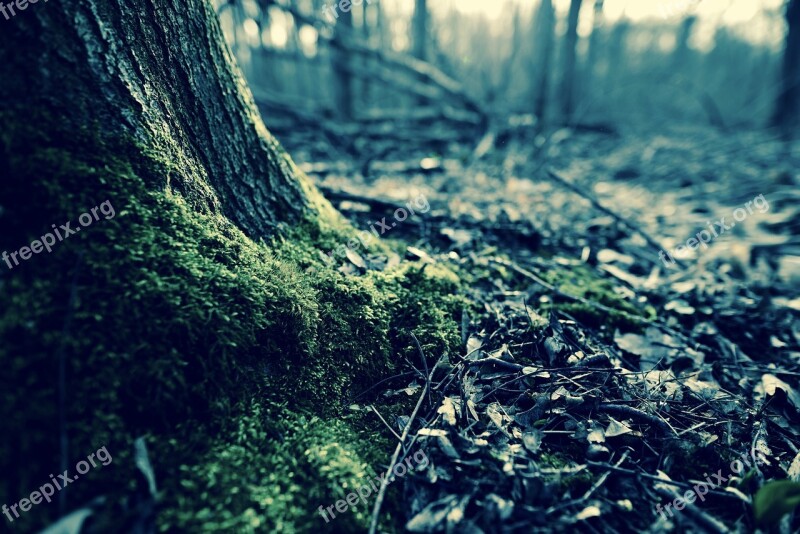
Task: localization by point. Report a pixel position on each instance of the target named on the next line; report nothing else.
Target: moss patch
(272, 475)
(172, 324)
(581, 281)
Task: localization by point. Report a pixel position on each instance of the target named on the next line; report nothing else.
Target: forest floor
(600, 389)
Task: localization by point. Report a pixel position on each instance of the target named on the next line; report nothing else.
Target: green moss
(576, 483)
(175, 325)
(425, 299)
(581, 281)
(272, 475)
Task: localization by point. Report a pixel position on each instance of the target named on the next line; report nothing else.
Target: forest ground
(596, 383)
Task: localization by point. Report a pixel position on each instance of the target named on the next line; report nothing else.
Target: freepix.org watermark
(47, 490)
(21, 5)
(366, 490)
(701, 489)
(47, 241)
(344, 5)
(704, 237)
(400, 214)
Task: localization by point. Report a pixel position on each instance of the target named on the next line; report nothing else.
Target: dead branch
(376, 510)
(619, 218)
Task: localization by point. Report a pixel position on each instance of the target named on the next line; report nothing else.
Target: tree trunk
(102, 63)
(568, 77)
(787, 107)
(593, 54)
(160, 314)
(419, 40)
(420, 30)
(680, 56)
(546, 25)
(342, 66)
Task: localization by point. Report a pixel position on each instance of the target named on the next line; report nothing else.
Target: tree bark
(164, 78)
(787, 107)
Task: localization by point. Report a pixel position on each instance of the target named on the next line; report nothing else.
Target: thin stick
(655, 478)
(424, 363)
(550, 287)
(385, 423)
(596, 203)
(376, 510)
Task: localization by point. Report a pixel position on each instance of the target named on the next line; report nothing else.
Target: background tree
(787, 107)
(342, 64)
(568, 74)
(420, 30)
(545, 24)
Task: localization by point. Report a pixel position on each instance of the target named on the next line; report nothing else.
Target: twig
(627, 411)
(619, 218)
(424, 363)
(384, 422)
(550, 287)
(372, 202)
(376, 510)
(376, 384)
(648, 476)
(603, 477)
(502, 363)
(701, 518)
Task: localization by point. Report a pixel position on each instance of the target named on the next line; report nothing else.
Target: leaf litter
(578, 405)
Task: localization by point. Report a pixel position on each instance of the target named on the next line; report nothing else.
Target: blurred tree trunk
(342, 66)
(594, 42)
(420, 30)
(545, 23)
(365, 35)
(162, 81)
(419, 37)
(787, 107)
(616, 52)
(681, 54)
(568, 77)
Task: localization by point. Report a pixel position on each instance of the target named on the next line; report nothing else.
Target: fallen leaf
(774, 500)
(616, 428)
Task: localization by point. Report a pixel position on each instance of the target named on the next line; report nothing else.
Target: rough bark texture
(162, 77)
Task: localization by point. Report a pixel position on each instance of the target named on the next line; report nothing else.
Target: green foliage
(774, 500)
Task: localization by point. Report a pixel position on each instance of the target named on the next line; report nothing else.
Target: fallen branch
(619, 218)
(701, 518)
(418, 69)
(376, 510)
(550, 287)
